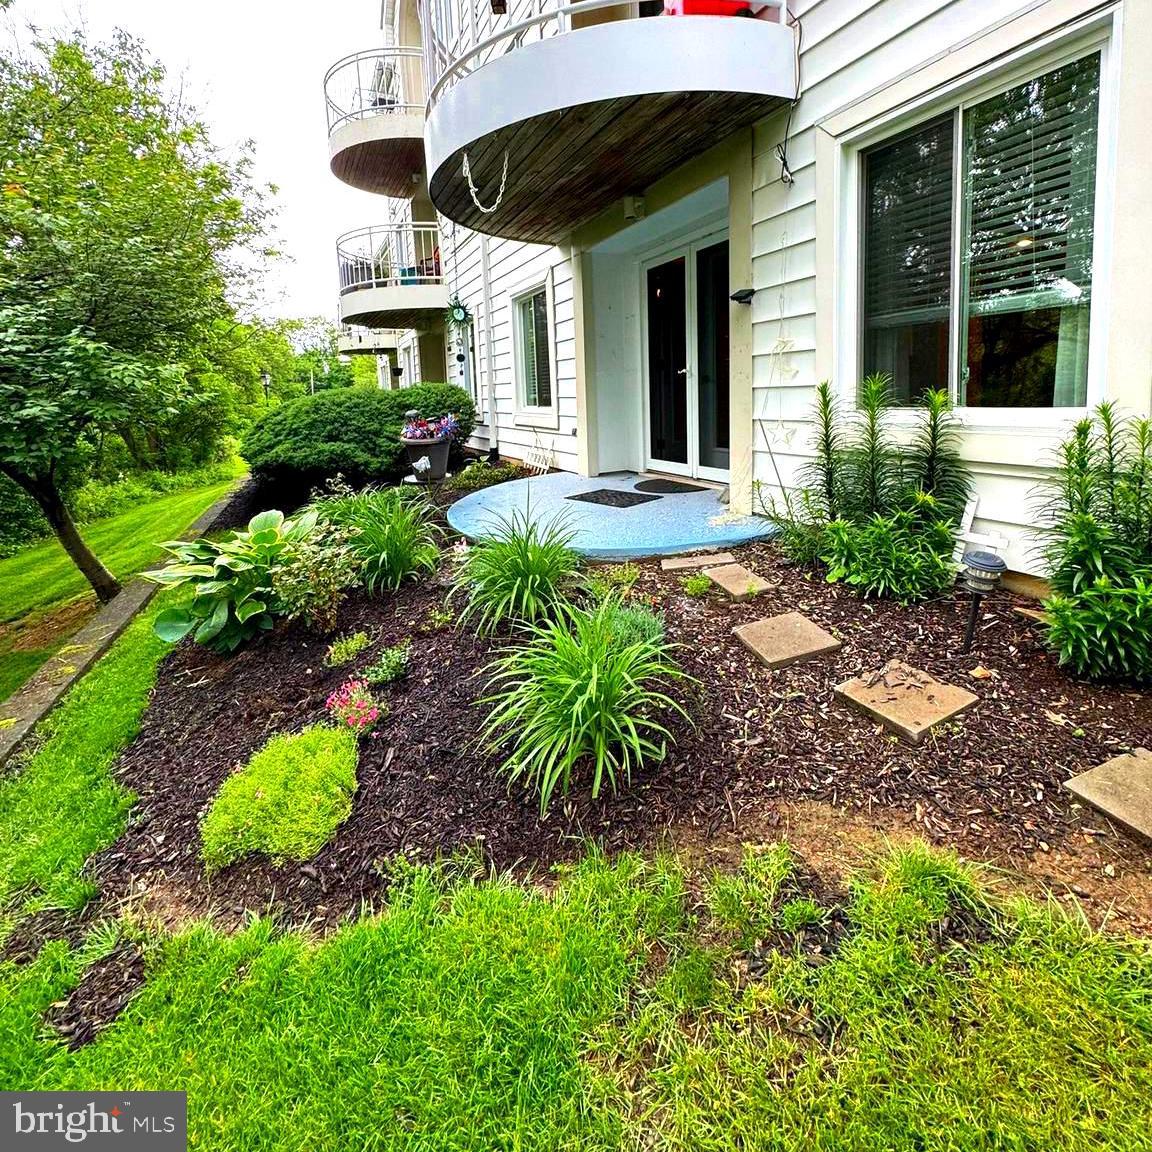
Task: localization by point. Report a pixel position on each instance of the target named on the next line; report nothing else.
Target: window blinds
(535, 351)
(1029, 189)
(908, 227)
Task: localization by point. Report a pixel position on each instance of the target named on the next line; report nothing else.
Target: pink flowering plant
(431, 429)
(353, 706)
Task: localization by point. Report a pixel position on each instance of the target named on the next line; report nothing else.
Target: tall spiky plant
(873, 476)
(823, 474)
(932, 461)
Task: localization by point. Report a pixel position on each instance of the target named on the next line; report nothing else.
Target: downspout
(486, 288)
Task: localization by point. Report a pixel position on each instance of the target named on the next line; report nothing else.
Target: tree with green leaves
(128, 240)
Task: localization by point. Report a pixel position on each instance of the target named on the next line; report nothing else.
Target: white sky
(255, 70)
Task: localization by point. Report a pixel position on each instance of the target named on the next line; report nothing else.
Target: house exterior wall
(864, 64)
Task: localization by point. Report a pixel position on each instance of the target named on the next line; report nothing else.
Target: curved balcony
(367, 341)
(390, 277)
(375, 103)
(547, 121)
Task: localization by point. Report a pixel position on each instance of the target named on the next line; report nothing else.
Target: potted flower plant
(428, 443)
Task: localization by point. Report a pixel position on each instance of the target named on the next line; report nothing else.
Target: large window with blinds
(977, 247)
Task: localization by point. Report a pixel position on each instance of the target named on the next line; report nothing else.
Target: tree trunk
(45, 493)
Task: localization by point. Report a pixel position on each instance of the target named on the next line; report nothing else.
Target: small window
(1021, 167)
(534, 349)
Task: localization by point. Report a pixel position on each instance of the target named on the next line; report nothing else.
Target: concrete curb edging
(27, 706)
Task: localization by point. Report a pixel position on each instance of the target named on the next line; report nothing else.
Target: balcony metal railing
(472, 39)
(389, 256)
(381, 82)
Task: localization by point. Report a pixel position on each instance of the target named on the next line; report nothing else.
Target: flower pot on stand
(428, 457)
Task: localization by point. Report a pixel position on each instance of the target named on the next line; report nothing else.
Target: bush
(352, 432)
(311, 579)
(389, 529)
(898, 556)
(1105, 631)
(634, 625)
(522, 576)
(573, 696)
(390, 665)
(286, 802)
(858, 475)
(233, 598)
(480, 474)
(1098, 545)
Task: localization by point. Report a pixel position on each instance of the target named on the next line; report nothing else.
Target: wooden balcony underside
(383, 154)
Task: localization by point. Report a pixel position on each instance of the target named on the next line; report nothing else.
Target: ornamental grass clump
(523, 575)
(576, 698)
(390, 530)
(286, 802)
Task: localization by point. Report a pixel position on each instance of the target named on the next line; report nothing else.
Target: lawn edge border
(32, 702)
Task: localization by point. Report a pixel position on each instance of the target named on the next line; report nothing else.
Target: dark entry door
(712, 338)
(668, 362)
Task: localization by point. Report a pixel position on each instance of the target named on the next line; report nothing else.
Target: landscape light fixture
(743, 295)
(265, 379)
(981, 575)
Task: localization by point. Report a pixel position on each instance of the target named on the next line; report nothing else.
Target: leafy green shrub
(1105, 632)
(1097, 509)
(480, 474)
(897, 556)
(390, 665)
(346, 649)
(286, 802)
(858, 474)
(696, 584)
(311, 579)
(574, 696)
(353, 432)
(522, 575)
(233, 598)
(389, 529)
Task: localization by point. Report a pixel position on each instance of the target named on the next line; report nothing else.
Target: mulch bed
(988, 785)
(103, 992)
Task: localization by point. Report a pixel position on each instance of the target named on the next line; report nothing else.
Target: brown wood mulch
(765, 742)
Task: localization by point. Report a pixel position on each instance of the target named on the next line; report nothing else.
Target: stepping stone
(678, 563)
(908, 701)
(782, 640)
(1121, 788)
(740, 583)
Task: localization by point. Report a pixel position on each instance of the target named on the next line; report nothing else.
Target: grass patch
(287, 801)
(62, 804)
(40, 579)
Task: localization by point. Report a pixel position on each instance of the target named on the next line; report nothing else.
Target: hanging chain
(476, 195)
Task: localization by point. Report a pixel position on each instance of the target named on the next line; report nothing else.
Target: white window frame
(973, 88)
(533, 415)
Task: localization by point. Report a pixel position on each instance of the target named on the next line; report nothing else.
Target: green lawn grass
(613, 1008)
(40, 580)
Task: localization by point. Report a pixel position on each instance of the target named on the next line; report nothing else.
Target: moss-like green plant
(696, 585)
(346, 648)
(286, 802)
(603, 582)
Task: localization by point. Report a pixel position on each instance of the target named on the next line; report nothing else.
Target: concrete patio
(671, 523)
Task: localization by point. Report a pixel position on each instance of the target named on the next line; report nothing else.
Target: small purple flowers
(431, 429)
(354, 706)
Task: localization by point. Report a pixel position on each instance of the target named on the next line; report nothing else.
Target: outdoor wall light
(743, 295)
(981, 575)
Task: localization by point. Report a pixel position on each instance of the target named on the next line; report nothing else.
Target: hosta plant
(575, 698)
(523, 575)
(233, 598)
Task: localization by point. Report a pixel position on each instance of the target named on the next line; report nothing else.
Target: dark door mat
(613, 498)
(668, 487)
